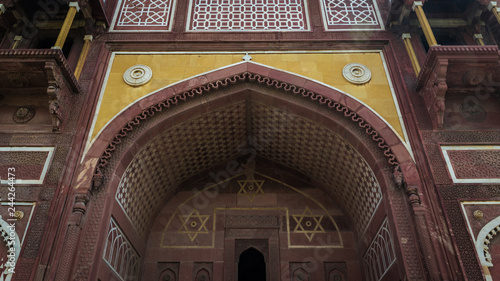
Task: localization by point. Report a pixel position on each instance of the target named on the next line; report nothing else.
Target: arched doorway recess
(332, 139)
(251, 266)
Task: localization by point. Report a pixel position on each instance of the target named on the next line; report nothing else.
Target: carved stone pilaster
(72, 237)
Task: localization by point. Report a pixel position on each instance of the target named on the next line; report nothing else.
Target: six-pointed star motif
(308, 224)
(193, 224)
(251, 188)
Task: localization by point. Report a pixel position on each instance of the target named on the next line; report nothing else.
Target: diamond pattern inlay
(216, 137)
(320, 154)
(175, 155)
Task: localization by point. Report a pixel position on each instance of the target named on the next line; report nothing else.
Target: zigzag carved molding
(239, 78)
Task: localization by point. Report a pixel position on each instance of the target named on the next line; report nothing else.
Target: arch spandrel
(260, 74)
(323, 67)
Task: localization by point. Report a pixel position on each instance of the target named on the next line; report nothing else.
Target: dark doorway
(251, 266)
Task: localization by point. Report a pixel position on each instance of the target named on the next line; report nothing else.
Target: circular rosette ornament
(137, 75)
(24, 114)
(357, 73)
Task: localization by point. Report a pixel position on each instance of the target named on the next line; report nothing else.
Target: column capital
(88, 37)
(491, 5)
(478, 36)
(406, 36)
(75, 4)
(415, 4)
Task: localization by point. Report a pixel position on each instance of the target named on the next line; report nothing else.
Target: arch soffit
(374, 126)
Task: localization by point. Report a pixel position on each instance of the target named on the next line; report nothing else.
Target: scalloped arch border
(377, 128)
(490, 230)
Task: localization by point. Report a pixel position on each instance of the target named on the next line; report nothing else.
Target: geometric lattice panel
(473, 164)
(380, 255)
(350, 15)
(144, 15)
(319, 153)
(178, 153)
(248, 15)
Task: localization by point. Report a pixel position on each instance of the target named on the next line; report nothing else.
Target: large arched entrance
(184, 192)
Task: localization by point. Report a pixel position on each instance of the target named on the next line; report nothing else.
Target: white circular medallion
(137, 75)
(357, 73)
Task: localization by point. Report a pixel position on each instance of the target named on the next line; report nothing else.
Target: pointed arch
(366, 134)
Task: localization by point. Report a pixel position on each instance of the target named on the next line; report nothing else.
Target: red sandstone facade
(250, 172)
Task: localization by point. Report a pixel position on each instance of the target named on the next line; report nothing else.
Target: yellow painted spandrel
(327, 68)
(323, 67)
(167, 69)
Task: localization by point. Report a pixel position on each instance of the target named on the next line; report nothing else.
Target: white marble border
(446, 148)
(46, 166)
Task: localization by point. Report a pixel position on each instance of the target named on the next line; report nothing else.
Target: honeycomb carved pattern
(28, 164)
(240, 78)
(57, 164)
(168, 271)
(475, 164)
(202, 271)
(92, 232)
(252, 221)
(24, 157)
(70, 243)
(32, 242)
(308, 148)
(23, 269)
(184, 153)
(466, 249)
(409, 250)
(433, 149)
